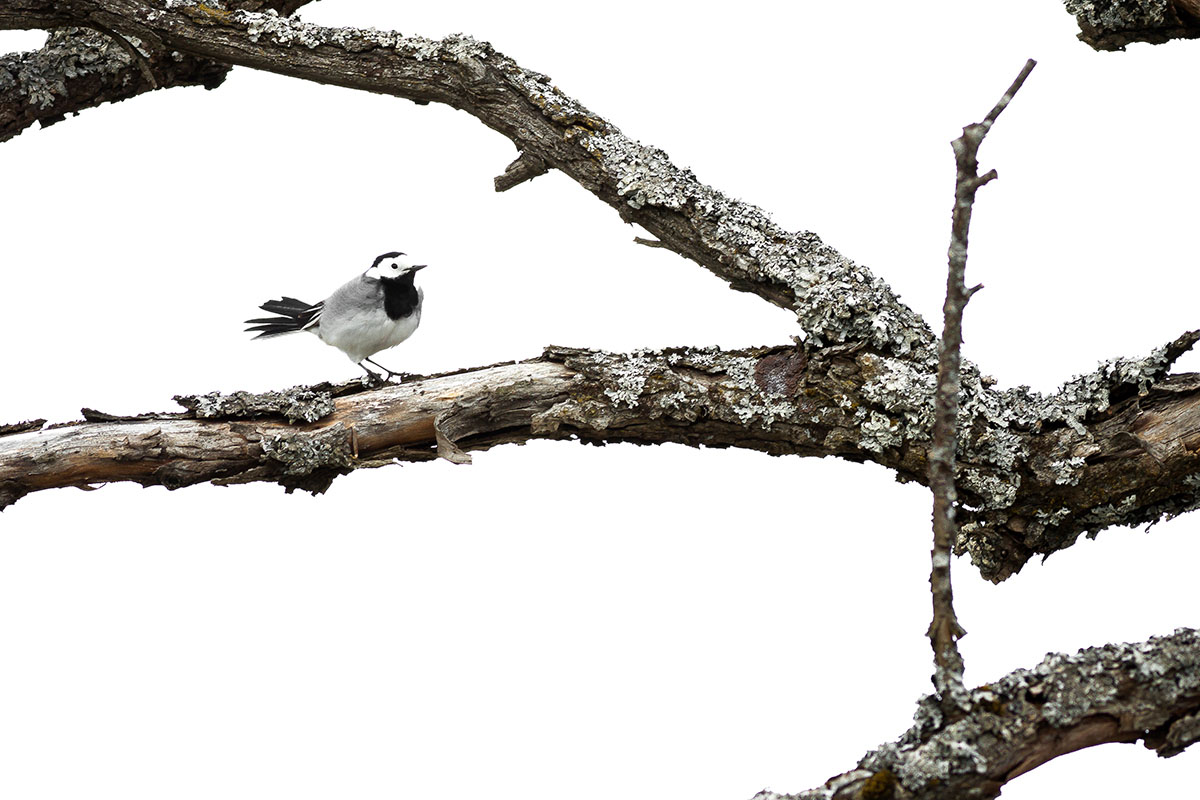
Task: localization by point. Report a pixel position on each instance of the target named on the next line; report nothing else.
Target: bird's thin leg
(389, 372)
(372, 378)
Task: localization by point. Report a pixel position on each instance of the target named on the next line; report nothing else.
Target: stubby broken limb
(1146, 691)
(1117, 446)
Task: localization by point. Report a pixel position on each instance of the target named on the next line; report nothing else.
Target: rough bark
(1115, 447)
(835, 299)
(1113, 24)
(81, 68)
(1148, 691)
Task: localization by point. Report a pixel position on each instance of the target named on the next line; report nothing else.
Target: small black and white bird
(372, 312)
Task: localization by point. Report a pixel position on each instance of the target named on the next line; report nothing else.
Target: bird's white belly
(365, 333)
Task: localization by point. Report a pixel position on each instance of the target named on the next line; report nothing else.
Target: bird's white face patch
(390, 267)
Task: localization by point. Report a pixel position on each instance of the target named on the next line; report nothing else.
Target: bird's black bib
(399, 296)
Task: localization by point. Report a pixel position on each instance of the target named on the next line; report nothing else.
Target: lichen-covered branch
(1147, 691)
(1118, 446)
(1114, 447)
(81, 68)
(1113, 24)
(835, 300)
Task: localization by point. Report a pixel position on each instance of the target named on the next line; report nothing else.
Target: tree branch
(944, 630)
(80, 68)
(835, 300)
(1148, 691)
(1115, 447)
(1113, 24)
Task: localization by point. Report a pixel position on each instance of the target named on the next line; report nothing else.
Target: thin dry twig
(945, 631)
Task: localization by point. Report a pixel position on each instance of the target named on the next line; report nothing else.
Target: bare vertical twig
(945, 631)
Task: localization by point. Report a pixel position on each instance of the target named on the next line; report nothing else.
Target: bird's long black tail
(294, 315)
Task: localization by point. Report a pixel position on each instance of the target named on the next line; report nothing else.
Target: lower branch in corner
(1147, 691)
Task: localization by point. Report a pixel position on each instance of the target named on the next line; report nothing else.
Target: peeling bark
(1148, 691)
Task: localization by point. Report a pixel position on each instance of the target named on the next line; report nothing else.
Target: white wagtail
(372, 312)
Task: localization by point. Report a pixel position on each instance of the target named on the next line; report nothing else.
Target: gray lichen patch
(1144, 685)
(304, 452)
(41, 75)
(298, 404)
(1125, 15)
(679, 384)
(1093, 392)
(269, 26)
(835, 300)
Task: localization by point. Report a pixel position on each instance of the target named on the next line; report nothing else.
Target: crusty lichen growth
(1147, 687)
(685, 385)
(882, 408)
(1126, 14)
(302, 453)
(1112, 24)
(41, 75)
(835, 300)
(298, 404)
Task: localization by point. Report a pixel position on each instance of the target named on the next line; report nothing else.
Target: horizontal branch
(1112, 448)
(1113, 24)
(1148, 691)
(835, 300)
(1120, 446)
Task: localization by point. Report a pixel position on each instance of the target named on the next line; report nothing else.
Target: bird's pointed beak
(419, 267)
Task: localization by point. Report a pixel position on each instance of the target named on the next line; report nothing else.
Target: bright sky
(555, 620)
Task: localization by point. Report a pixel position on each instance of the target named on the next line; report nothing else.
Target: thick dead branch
(1118, 446)
(1113, 24)
(1148, 691)
(81, 68)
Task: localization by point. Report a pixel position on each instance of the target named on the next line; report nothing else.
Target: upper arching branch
(834, 299)
(1114, 447)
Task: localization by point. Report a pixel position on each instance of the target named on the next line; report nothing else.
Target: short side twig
(945, 631)
(138, 58)
(525, 167)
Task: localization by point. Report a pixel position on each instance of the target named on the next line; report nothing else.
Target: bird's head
(392, 266)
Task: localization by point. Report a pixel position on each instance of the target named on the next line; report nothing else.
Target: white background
(559, 621)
